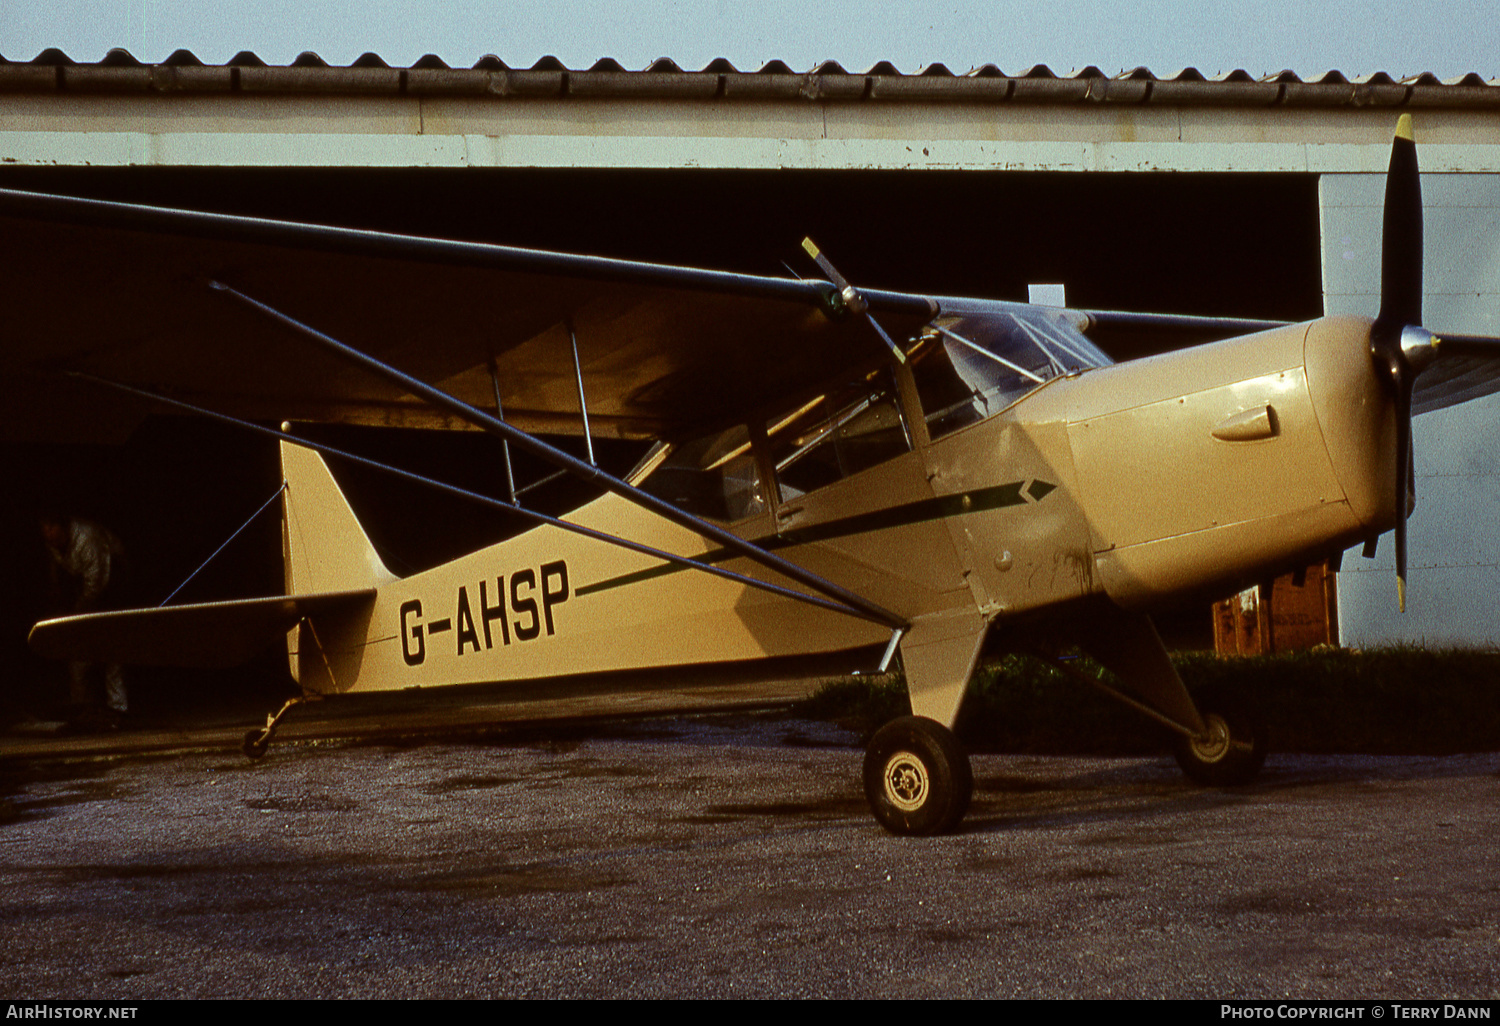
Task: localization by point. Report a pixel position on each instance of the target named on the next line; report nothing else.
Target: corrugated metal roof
(182, 72)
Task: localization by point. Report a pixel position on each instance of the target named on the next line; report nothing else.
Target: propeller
(1399, 344)
(851, 296)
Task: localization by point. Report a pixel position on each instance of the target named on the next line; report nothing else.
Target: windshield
(974, 363)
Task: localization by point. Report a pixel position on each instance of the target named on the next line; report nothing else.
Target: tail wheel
(1233, 749)
(256, 742)
(917, 777)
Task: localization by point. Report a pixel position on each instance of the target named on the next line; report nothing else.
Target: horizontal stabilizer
(207, 635)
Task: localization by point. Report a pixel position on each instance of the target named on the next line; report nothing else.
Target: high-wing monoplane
(835, 469)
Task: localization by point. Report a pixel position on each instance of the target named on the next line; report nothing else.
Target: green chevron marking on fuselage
(941, 508)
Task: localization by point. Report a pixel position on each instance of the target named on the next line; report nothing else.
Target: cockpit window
(971, 365)
(837, 435)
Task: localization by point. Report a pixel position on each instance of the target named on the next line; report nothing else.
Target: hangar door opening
(1216, 243)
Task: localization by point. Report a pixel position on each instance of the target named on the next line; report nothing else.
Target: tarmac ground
(681, 854)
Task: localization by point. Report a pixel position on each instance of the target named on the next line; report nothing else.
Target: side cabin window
(969, 366)
(714, 477)
(837, 434)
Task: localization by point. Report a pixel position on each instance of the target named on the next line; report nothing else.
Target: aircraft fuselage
(1194, 472)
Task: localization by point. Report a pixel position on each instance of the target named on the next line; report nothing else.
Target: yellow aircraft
(837, 470)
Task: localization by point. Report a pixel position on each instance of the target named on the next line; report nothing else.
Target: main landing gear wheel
(917, 777)
(1234, 748)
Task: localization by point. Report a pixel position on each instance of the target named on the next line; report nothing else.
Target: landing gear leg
(1219, 743)
(917, 777)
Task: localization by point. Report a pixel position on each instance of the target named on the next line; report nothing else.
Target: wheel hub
(1215, 743)
(906, 782)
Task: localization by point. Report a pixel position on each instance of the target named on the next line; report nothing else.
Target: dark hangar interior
(1224, 244)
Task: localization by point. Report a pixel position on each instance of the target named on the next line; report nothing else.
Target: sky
(1357, 37)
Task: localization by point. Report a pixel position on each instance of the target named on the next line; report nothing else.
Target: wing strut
(583, 404)
(590, 474)
(485, 500)
(510, 474)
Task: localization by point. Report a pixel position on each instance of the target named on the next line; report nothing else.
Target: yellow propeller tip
(1401, 581)
(812, 250)
(1403, 127)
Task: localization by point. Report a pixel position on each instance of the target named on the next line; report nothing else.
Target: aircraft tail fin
(324, 548)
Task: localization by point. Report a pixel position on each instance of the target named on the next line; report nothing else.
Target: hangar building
(1227, 196)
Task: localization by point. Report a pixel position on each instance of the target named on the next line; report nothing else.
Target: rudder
(324, 548)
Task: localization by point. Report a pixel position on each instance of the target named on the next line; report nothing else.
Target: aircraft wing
(1127, 336)
(1467, 367)
(122, 292)
(207, 634)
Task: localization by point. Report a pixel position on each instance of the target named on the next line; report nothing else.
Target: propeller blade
(1399, 346)
(1401, 246)
(812, 250)
(1403, 486)
(852, 299)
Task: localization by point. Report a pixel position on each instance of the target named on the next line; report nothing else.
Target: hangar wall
(1454, 553)
(167, 131)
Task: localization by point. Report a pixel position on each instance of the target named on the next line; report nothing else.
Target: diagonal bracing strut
(485, 500)
(590, 474)
(855, 605)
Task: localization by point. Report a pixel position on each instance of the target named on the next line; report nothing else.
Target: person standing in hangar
(88, 563)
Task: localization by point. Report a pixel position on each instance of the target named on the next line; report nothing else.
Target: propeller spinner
(1399, 344)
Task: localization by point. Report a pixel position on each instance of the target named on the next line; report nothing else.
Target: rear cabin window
(714, 478)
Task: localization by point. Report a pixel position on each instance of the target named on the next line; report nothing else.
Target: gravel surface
(734, 856)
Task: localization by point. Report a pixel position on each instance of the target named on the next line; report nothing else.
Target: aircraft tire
(1235, 749)
(917, 777)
